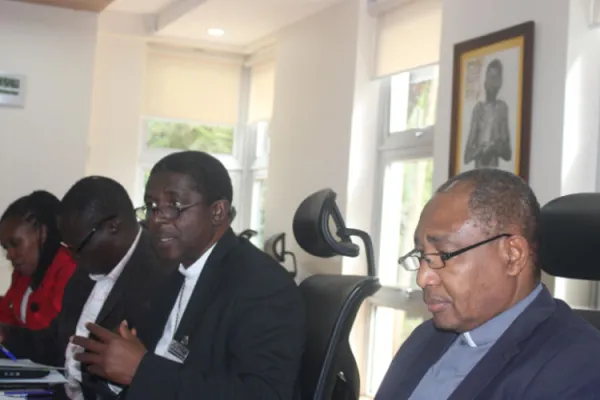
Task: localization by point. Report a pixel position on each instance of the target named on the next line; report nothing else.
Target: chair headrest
(312, 224)
(275, 247)
(248, 234)
(570, 236)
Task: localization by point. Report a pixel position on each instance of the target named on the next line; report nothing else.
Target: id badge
(179, 350)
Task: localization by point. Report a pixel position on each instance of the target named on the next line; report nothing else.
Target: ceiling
(244, 22)
(86, 5)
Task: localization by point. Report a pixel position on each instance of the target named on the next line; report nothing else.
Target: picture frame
(491, 101)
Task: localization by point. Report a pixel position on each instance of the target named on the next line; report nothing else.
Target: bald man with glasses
(496, 333)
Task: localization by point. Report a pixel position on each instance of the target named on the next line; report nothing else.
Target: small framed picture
(491, 101)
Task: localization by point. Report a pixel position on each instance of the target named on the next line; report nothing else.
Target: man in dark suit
(116, 272)
(228, 325)
(497, 333)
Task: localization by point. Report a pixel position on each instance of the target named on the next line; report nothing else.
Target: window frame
(242, 164)
(400, 146)
(259, 172)
(239, 164)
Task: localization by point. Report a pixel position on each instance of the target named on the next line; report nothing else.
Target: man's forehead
(169, 184)
(444, 214)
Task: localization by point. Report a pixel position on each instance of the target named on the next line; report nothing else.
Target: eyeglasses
(78, 249)
(170, 212)
(412, 260)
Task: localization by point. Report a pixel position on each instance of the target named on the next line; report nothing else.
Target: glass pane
(259, 194)
(262, 140)
(413, 99)
(189, 136)
(389, 330)
(407, 187)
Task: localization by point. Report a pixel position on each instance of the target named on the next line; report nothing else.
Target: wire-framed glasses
(412, 260)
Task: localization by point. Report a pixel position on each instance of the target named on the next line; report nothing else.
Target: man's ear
(517, 253)
(220, 212)
(114, 225)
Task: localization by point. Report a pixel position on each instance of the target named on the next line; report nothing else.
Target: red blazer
(45, 302)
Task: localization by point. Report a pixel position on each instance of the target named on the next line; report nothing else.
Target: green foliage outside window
(186, 136)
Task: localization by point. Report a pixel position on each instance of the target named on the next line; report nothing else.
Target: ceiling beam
(81, 5)
(175, 11)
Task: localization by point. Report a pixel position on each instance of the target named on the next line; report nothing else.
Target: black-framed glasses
(412, 260)
(79, 248)
(170, 212)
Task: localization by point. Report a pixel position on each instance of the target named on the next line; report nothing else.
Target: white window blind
(191, 87)
(262, 85)
(409, 37)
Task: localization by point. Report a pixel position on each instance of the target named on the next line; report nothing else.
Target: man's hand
(115, 357)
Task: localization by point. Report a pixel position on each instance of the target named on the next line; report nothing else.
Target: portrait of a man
(491, 101)
(489, 137)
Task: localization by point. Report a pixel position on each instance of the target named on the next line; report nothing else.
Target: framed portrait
(491, 101)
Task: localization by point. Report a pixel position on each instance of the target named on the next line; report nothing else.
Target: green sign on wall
(12, 90)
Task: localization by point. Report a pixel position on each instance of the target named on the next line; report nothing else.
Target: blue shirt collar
(489, 332)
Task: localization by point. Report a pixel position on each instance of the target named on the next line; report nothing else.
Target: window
(178, 118)
(189, 136)
(405, 185)
(259, 175)
(164, 136)
(406, 189)
(390, 328)
(413, 98)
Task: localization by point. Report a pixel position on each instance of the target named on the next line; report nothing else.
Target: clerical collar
(194, 270)
(489, 332)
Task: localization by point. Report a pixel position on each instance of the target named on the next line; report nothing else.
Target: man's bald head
(497, 200)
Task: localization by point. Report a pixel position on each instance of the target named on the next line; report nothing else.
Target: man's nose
(427, 276)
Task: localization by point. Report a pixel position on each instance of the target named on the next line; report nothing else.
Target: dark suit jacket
(128, 300)
(245, 324)
(548, 353)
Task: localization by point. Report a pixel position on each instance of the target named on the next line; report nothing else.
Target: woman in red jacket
(42, 267)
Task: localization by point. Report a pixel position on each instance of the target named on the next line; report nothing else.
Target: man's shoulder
(568, 361)
(253, 271)
(571, 336)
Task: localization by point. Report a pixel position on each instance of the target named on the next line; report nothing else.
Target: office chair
(570, 241)
(329, 370)
(275, 247)
(247, 234)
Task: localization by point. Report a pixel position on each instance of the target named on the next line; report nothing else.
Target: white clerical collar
(194, 270)
(491, 331)
(116, 271)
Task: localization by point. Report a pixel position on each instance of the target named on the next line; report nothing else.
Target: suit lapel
(508, 346)
(207, 285)
(161, 309)
(79, 289)
(412, 363)
(416, 364)
(130, 272)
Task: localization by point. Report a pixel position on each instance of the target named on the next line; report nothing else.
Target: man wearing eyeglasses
(116, 272)
(496, 333)
(229, 324)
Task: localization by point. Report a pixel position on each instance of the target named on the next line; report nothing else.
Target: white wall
(312, 118)
(466, 19)
(44, 144)
(115, 129)
(566, 99)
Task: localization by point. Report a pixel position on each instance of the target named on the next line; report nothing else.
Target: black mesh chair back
(329, 369)
(570, 241)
